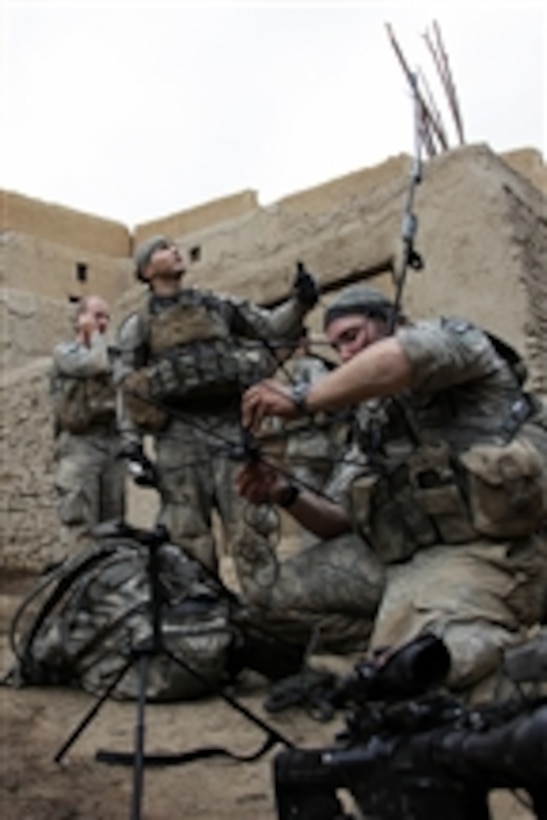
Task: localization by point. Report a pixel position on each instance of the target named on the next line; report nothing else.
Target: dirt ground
(36, 722)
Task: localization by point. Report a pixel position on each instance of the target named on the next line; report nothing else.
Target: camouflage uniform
(89, 478)
(327, 594)
(311, 447)
(452, 500)
(311, 451)
(183, 364)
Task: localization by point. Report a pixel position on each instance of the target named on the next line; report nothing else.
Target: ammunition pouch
(190, 377)
(506, 488)
(84, 404)
(197, 369)
(140, 405)
(212, 368)
(435, 497)
(416, 505)
(193, 359)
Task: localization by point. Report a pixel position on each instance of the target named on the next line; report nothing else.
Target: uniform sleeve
(78, 361)
(130, 350)
(351, 465)
(129, 355)
(446, 353)
(283, 323)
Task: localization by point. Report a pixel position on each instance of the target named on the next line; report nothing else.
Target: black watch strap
(288, 495)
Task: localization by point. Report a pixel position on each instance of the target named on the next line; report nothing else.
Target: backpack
(86, 620)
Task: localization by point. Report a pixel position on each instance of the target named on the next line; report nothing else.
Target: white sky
(135, 110)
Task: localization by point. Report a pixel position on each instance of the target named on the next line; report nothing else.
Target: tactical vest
(420, 493)
(205, 360)
(83, 404)
(438, 497)
(190, 344)
(194, 361)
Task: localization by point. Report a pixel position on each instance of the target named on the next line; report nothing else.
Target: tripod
(141, 655)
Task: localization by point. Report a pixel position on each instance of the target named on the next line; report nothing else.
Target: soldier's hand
(305, 287)
(258, 482)
(267, 398)
(86, 327)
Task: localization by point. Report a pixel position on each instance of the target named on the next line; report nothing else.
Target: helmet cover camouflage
(144, 253)
(360, 300)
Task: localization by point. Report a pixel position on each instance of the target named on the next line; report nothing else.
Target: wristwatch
(299, 395)
(288, 496)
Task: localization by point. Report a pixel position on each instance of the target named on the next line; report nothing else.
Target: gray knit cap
(358, 299)
(144, 252)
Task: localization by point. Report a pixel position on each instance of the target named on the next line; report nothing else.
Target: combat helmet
(144, 252)
(360, 299)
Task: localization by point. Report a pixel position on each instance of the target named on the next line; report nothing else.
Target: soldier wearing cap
(89, 477)
(184, 360)
(451, 495)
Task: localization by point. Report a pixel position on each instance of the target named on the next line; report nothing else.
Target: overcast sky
(136, 110)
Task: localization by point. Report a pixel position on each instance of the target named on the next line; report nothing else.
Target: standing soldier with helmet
(183, 362)
(89, 477)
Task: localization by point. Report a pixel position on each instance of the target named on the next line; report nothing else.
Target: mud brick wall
(482, 231)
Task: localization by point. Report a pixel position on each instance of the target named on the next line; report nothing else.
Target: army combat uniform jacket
(89, 477)
(311, 450)
(453, 497)
(182, 366)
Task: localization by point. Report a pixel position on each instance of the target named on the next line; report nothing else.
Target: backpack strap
(64, 576)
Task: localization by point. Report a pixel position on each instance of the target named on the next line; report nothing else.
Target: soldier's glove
(310, 689)
(139, 465)
(305, 287)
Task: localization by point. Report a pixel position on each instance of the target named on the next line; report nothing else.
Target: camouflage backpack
(85, 621)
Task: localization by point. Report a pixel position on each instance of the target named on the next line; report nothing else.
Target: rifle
(426, 757)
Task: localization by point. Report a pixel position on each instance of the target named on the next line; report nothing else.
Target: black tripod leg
(91, 714)
(138, 768)
(235, 704)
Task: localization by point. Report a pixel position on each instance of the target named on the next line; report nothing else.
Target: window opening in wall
(73, 299)
(195, 253)
(81, 272)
